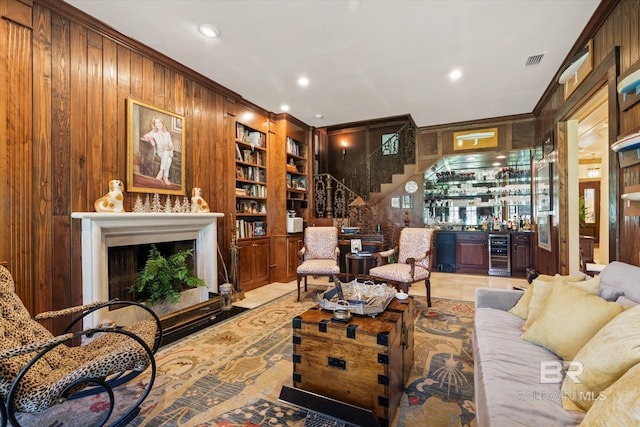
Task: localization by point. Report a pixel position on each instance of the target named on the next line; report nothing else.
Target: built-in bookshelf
(296, 170)
(251, 182)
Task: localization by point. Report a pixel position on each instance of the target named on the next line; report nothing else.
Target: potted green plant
(163, 278)
(582, 212)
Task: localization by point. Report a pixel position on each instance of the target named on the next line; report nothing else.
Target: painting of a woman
(160, 139)
(156, 150)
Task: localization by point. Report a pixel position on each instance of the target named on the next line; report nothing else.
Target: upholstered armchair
(319, 256)
(39, 370)
(415, 251)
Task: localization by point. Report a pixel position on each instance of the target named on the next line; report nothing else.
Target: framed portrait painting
(155, 150)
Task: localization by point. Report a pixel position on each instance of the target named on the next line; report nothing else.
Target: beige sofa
(589, 328)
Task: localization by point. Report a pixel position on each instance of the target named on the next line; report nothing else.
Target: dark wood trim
(378, 122)
(478, 123)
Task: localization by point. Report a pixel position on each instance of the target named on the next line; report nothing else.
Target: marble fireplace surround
(101, 231)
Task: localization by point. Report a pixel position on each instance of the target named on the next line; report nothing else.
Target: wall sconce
(344, 148)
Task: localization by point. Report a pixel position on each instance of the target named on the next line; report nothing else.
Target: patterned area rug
(231, 374)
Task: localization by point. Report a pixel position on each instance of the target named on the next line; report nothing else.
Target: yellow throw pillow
(541, 291)
(569, 319)
(540, 295)
(521, 309)
(592, 286)
(618, 404)
(605, 358)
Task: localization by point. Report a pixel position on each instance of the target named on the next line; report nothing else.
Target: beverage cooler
(499, 255)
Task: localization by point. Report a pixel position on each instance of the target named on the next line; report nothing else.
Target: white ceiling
(365, 59)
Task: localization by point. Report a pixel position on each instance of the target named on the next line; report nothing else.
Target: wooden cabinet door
(520, 254)
(472, 253)
(261, 262)
(253, 268)
(246, 256)
(294, 244)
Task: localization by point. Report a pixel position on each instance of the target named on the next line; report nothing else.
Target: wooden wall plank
(78, 187)
(123, 87)
(95, 121)
(110, 115)
(42, 160)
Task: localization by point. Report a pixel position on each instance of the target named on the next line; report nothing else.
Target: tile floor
(443, 285)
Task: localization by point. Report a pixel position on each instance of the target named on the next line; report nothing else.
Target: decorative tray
(366, 298)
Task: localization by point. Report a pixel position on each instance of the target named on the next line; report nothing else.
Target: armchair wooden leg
(299, 286)
(427, 283)
(305, 283)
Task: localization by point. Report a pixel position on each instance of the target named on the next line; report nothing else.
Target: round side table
(362, 264)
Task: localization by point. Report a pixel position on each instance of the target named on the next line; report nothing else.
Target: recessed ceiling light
(455, 75)
(209, 30)
(284, 107)
(496, 164)
(319, 116)
(501, 157)
(303, 81)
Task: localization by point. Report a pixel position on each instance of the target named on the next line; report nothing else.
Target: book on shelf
(247, 229)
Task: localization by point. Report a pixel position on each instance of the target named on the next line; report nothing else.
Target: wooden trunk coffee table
(364, 361)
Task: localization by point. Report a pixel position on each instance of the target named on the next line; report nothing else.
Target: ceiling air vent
(534, 60)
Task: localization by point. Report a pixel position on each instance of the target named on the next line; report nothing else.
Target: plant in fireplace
(163, 278)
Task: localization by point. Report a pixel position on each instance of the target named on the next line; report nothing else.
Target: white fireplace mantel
(101, 231)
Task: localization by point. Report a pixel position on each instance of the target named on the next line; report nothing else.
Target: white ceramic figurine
(198, 204)
(112, 201)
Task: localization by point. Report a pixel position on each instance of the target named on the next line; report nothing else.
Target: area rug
(231, 374)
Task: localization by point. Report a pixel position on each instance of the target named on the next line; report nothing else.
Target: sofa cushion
(619, 403)
(626, 301)
(610, 293)
(507, 376)
(605, 358)
(569, 319)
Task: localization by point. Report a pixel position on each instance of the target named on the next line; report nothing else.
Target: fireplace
(101, 231)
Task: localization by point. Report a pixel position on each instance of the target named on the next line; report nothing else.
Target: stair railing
(332, 197)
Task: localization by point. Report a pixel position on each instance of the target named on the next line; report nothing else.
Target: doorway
(590, 157)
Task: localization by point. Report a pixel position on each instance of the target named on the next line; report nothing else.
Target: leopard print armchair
(415, 251)
(39, 370)
(320, 254)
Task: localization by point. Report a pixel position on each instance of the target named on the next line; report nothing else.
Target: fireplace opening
(126, 262)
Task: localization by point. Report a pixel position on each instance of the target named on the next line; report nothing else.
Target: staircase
(393, 163)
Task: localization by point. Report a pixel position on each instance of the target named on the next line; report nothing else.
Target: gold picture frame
(155, 150)
(475, 139)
